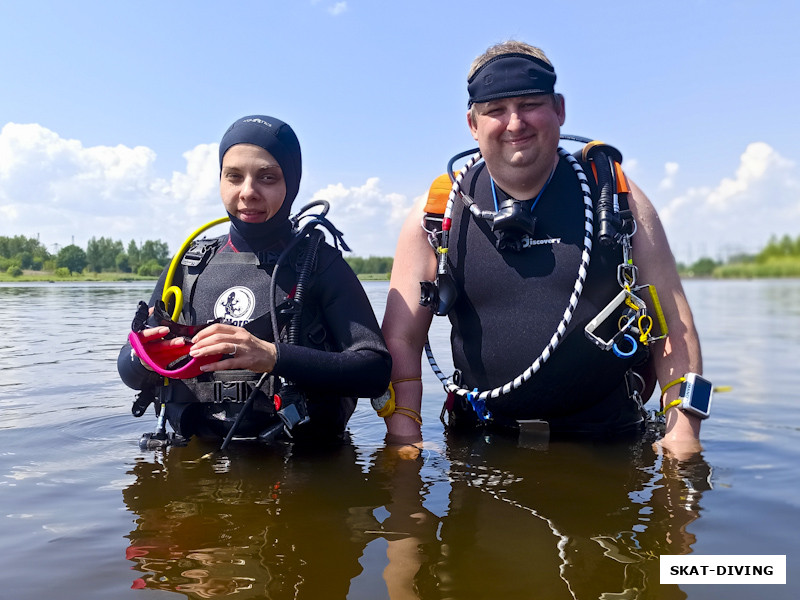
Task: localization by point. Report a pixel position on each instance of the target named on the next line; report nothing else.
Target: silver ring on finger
(235, 348)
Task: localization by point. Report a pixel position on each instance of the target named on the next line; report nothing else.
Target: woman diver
(271, 333)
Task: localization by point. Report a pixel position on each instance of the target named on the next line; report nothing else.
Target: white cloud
(670, 171)
(369, 217)
(738, 214)
(196, 191)
(338, 8)
(64, 192)
(335, 9)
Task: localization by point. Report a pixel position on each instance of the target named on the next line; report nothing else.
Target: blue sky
(110, 112)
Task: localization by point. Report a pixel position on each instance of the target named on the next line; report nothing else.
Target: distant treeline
(371, 265)
(102, 255)
(779, 258)
(105, 255)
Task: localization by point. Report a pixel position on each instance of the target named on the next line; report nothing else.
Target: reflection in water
(277, 526)
(470, 519)
(571, 521)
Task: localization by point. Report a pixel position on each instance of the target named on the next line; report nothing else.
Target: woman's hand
(243, 350)
(154, 338)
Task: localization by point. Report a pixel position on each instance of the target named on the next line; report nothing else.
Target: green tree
(133, 256)
(378, 264)
(73, 258)
(123, 263)
(157, 251)
(101, 255)
(703, 267)
(151, 268)
(27, 249)
(373, 264)
(25, 259)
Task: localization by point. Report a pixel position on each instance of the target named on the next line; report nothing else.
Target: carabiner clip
(625, 296)
(627, 274)
(626, 270)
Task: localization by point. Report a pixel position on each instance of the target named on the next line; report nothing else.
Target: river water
(84, 513)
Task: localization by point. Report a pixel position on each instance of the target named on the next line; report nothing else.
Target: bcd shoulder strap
(193, 263)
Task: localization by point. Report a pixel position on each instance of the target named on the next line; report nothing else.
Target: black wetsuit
(510, 305)
(340, 354)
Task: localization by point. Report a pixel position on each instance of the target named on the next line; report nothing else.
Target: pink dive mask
(166, 360)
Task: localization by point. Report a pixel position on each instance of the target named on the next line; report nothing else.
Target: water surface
(85, 514)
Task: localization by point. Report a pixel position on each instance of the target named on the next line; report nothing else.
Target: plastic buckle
(197, 252)
(230, 391)
(479, 406)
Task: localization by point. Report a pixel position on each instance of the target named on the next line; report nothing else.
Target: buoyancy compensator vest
(266, 294)
(506, 301)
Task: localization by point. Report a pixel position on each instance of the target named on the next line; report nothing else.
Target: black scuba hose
(607, 219)
(486, 215)
(314, 239)
(273, 308)
(449, 384)
(452, 161)
(294, 326)
(245, 408)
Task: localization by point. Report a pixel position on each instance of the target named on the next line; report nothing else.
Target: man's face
(252, 184)
(518, 133)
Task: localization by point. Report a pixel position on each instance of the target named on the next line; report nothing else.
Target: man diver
(506, 280)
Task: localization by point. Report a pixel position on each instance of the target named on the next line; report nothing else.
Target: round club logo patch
(235, 305)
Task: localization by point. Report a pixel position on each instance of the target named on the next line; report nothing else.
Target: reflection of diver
(409, 526)
(259, 525)
(575, 521)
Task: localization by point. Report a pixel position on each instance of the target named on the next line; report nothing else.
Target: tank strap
(194, 262)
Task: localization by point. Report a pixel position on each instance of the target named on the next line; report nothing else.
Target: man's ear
(472, 127)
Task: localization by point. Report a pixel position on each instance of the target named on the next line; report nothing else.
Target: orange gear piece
(438, 194)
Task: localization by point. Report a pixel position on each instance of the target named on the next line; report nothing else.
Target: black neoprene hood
(274, 136)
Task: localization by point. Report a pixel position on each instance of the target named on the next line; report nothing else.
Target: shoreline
(774, 270)
(50, 277)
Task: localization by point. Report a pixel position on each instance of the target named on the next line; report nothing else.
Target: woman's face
(252, 184)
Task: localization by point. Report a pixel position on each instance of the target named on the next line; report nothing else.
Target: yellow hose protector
(173, 291)
(662, 322)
